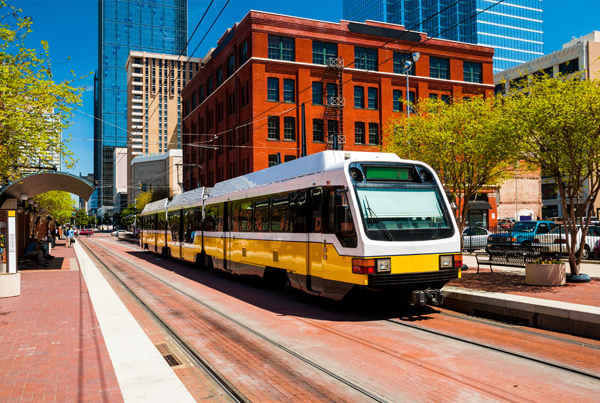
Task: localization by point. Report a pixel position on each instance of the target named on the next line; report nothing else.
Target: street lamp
(408, 64)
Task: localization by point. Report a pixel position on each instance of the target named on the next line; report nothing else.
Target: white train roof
(154, 207)
(190, 198)
(311, 164)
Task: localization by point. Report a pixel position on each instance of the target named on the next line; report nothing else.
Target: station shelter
(16, 204)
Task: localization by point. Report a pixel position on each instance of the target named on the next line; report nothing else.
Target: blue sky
(71, 29)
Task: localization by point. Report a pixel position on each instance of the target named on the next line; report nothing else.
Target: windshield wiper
(437, 231)
(378, 223)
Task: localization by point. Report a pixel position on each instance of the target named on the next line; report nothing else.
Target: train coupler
(429, 296)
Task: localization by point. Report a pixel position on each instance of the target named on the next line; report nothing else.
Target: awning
(479, 205)
(46, 181)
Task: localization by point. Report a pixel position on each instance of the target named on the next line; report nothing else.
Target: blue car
(523, 233)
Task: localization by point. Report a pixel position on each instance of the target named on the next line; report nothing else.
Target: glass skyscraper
(157, 26)
(514, 27)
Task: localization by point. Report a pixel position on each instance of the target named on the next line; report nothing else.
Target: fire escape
(334, 107)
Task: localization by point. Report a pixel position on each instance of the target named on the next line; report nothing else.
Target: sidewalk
(503, 295)
(69, 338)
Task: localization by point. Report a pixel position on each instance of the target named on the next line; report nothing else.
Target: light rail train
(324, 224)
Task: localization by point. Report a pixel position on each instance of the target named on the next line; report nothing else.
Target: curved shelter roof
(45, 182)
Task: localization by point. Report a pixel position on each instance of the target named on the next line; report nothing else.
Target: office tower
(154, 110)
(124, 26)
(514, 27)
(244, 110)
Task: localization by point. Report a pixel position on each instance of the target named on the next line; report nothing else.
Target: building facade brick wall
(220, 141)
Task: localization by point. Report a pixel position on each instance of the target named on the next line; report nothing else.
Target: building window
(219, 75)
(273, 160)
(331, 93)
(359, 133)
(243, 52)
(201, 92)
(209, 87)
(365, 58)
(232, 103)
(272, 89)
(359, 97)
(569, 67)
(288, 90)
(230, 65)
(446, 99)
(322, 52)
(399, 59)
(499, 89)
(373, 133)
(372, 98)
(289, 158)
(438, 68)
(318, 131)
(317, 93)
(472, 72)
(332, 129)
(273, 128)
(397, 101)
(289, 128)
(281, 48)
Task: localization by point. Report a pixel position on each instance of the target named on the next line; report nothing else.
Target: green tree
(34, 110)
(142, 199)
(92, 220)
(82, 218)
(56, 204)
(464, 142)
(127, 216)
(556, 126)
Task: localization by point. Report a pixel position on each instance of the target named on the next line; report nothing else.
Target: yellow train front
(333, 221)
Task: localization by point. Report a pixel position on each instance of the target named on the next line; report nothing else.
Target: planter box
(10, 285)
(545, 274)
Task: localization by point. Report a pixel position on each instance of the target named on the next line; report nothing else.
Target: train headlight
(384, 265)
(446, 262)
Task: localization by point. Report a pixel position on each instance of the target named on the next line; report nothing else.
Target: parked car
(506, 223)
(523, 233)
(86, 231)
(558, 242)
(475, 238)
(118, 233)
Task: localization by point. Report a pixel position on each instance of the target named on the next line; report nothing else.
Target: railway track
(396, 322)
(197, 358)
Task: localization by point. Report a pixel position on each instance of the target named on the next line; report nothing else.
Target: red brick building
(243, 109)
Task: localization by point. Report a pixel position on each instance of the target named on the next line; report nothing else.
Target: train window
(316, 207)
(339, 217)
(211, 222)
(245, 216)
(197, 219)
(235, 216)
(280, 214)
(161, 221)
(298, 211)
(174, 224)
(188, 224)
(261, 215)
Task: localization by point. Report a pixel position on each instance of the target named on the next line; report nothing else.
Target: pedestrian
(70, 239)
(33, 250)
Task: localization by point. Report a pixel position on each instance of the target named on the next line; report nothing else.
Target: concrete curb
(563, 317)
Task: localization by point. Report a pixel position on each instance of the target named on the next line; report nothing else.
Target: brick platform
(51, 347)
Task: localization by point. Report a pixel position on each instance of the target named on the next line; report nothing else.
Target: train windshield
(404, 213)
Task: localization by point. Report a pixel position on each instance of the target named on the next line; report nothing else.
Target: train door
(233, 255)
(225, 234)
(314, 279)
